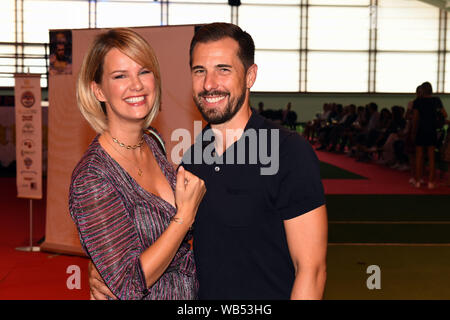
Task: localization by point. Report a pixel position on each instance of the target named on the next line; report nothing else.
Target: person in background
(410, 148)
(289, 117)
(425, 116)
(445, 153)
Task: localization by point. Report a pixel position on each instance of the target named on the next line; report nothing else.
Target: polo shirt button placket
(216, 168)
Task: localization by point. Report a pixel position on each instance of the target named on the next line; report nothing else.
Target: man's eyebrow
(217, 66)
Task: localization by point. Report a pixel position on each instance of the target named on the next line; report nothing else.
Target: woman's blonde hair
(132, 45)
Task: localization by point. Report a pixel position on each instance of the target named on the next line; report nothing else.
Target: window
(277, 71)
(41, 16)
(7, 65)
(7, 18)
(342, 28)
(277, 42)
(272, 27)
(340, 2)
(407, 25)
(399, 72)
(307, 46)
(337, 72)
(198, 13)
(447, 74)
(112, 14)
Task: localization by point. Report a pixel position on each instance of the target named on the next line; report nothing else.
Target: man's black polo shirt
(240, 244)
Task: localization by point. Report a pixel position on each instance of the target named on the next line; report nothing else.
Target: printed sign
(28, 135)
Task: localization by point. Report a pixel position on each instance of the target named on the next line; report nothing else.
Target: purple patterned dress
(117, 220)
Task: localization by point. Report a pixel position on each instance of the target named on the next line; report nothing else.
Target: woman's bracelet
(179, 221)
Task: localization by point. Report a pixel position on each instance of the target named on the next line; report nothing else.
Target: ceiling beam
(443, 4)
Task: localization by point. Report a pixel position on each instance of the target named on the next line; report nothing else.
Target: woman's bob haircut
(130, 44)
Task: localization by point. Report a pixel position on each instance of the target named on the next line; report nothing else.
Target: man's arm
(307, 237)
(98, 288)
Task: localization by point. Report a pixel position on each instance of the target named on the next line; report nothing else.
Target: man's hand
(98, 288)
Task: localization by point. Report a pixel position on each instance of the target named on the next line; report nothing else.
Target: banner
(28, 135)
(69, 134)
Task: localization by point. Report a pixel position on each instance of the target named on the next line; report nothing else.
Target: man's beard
(214, 116)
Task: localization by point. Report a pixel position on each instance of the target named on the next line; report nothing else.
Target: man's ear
(98, 92)
(251, 75)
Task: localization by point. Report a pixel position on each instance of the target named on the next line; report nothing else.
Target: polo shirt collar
(254, 122)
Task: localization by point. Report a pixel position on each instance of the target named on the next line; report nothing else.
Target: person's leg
(431, 163)
(448, 174)
(419, 164)
(412, 165)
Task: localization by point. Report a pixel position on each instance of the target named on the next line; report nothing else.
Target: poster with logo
(28, 113)
(60, 52)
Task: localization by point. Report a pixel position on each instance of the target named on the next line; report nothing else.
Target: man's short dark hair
(427, 89)
(373, 106)
(220, 30)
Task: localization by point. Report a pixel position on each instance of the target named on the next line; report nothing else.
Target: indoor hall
(388, 237)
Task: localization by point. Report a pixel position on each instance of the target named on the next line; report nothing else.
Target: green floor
(406, 272)
(328, 171)
(389, 219)
(406, 236)
(388, 207)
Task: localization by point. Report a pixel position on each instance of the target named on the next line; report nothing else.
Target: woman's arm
(107, 233)
(188, 195)
(109, 237)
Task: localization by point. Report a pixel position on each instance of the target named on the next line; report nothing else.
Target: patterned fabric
(117, 220)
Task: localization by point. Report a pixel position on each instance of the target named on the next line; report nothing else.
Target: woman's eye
(145, 72)
(119, 76)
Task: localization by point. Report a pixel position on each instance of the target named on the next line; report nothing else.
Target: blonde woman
(132, 210)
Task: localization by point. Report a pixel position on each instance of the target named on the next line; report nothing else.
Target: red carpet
(380, 179)
(31, 275)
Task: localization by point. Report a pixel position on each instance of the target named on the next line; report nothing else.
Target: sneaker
(395, 166)
(412, 181)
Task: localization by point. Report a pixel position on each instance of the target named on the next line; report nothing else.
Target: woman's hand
(189, 192)
(98, 288)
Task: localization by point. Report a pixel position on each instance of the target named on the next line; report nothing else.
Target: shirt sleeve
(300, 186)
(107, 234)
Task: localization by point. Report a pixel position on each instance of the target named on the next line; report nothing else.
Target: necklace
(123, 145)
(140, 172)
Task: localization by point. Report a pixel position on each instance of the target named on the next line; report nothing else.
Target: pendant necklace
(128, 147)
